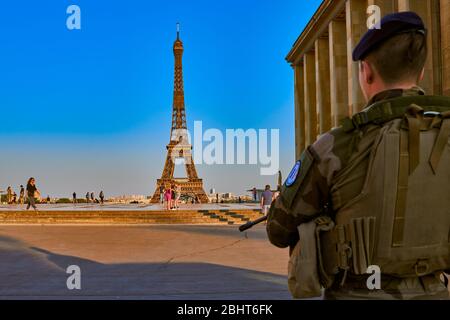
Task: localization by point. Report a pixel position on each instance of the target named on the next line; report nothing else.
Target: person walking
(74, 198)
(266, 200)
(32, 193)
(92, 197)
(102, 197)
(22, 195)
(87, 197)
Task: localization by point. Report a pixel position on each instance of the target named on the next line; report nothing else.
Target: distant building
(128, 198)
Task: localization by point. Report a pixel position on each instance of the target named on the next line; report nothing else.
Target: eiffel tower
(179, 147)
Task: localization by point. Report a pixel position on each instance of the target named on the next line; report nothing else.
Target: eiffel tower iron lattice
(179, 146)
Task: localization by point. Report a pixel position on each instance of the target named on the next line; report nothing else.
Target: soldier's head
(392, 57)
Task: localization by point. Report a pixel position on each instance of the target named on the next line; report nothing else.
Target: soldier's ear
(367, 72)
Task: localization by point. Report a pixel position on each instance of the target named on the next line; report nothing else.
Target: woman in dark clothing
(32, 192)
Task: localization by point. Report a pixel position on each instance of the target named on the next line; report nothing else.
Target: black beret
(391, 25)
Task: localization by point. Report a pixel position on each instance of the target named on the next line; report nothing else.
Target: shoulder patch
(296, 177)
(294, 173)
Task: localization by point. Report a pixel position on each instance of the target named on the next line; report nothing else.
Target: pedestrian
(74, 198)
(161, 193)
(32, 193)
(102, 197)
(9, 194)
(177, 196)
(92, 197)
(254, 194)
(173, 194)
(168, 197)
(87, 197)
(266, 200)
(14, 198)
(22, 195)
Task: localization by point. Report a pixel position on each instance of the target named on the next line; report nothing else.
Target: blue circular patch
(294, 173)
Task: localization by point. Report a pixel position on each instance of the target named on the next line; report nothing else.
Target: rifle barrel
(250, 224)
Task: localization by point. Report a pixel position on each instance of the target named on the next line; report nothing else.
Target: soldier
(371, 195)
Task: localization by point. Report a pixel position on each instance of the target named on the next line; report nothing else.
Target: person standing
(102, 197)
(177, 196)
(22, 195)
(266, 200)
(32, 193)
(173, 195)
(161, 194)
(254, 194)
(92, 197)
(9, 195)
(168, 197)
(87, 197)
(74, 198)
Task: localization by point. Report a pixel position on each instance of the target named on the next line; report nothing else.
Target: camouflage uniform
(312, 194)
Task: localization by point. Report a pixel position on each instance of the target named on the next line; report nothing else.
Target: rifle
(250, 224)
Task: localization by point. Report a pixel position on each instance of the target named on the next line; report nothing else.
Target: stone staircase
(218, 217)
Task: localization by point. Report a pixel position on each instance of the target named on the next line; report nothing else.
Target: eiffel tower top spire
(178, 110)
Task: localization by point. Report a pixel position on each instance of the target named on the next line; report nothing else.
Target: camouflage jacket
(311, 192)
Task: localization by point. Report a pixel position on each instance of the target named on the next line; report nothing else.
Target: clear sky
(90, 109)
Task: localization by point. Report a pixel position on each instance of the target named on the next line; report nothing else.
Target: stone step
(228, 217)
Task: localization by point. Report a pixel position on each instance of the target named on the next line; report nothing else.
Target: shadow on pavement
(35, 273)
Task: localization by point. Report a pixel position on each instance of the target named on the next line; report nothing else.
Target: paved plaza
(141, 262)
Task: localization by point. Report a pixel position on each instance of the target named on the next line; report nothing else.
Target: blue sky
(90, 109)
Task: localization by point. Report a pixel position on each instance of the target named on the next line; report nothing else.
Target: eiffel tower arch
(179, 146)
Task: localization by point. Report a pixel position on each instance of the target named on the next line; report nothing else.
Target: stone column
(323, 84)
(386, 6)
(445, 45)
(428, 11)
(299, 110)
(310, 98)
(338, 72)
(356, 19)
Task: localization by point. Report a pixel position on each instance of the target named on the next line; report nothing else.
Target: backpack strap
(387, 110)
(441, 141)
(414, 118)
